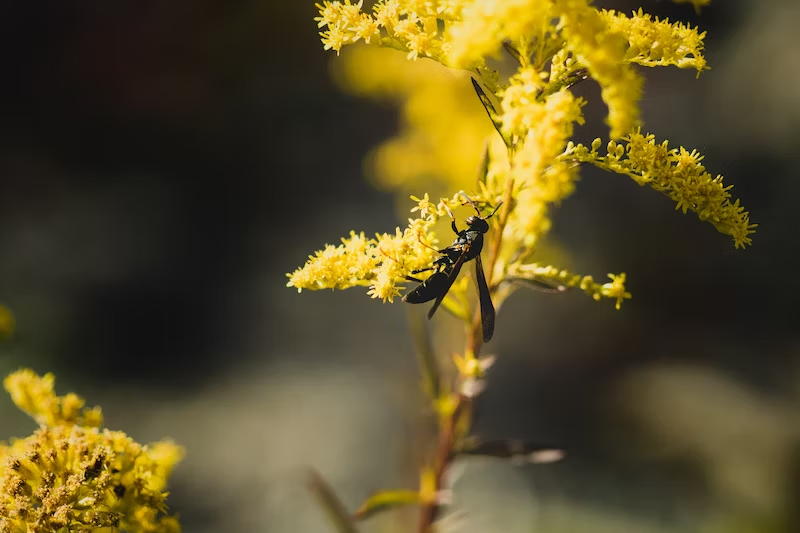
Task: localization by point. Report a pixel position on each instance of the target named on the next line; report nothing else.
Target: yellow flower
(602, 52)
(381, 263)
(677, 173)
(654, 42)
(615, 289)
(544, 180)
(72, 475)
(485, 24)
(345, 22)
(35, 396)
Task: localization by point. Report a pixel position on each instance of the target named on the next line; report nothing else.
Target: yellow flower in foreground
(70, 475)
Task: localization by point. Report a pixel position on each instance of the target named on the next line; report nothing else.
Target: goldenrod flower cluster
(380, 263)
(653, 42)
(72, 475)
(677, 173)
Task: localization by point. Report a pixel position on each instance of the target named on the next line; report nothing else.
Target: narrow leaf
(513, 52)
(330, 503)
(483, 166)
(426, 358)
(455, 307)
(516, 450)
(386, 499)
(491, 111)
(537, 284)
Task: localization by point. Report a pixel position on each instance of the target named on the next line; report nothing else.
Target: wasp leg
(452, 220)
(421, 270)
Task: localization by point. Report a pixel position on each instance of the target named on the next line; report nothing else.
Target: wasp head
(477, 223)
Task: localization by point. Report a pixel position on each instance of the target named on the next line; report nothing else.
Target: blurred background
(164, 164)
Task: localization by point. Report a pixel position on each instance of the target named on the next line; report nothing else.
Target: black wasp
(466, 246)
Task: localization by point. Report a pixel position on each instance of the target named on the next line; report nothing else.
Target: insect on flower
(466, 246)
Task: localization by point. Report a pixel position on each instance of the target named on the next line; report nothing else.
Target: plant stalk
(447, 432)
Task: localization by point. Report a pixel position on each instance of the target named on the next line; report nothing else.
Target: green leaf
(483, 166)
(516, 450)
(428, 364)
(536, 284)
(513, 52)
(455, 307)
(330, 503)
(384, 500)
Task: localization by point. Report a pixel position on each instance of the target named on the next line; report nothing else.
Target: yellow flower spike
(653, 42)
(677, 173)
(545, 180)
(72, 475)
(381, 263)
(564, 278)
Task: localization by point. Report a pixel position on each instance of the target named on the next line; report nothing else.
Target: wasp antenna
(462, 193)
(495, 210)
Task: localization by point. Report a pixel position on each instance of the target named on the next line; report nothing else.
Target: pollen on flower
(70, 475)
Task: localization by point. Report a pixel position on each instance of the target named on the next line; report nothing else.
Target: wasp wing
(451, 278)
(485, 298)
(427, 290)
